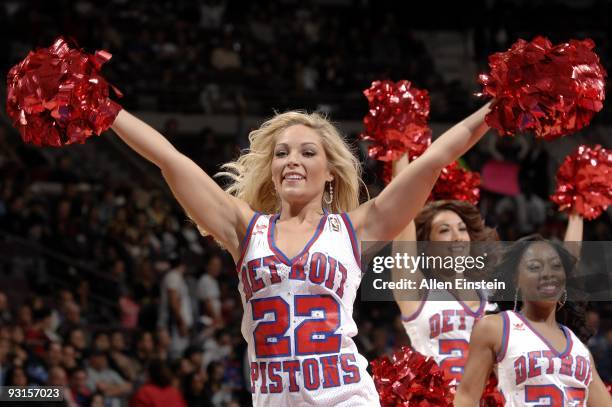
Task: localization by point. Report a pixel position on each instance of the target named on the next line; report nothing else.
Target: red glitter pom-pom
(56, 96)
(410, 379)
(457, 183)
(491, 397)
(397, 120)
(552, 90)
(584, 182)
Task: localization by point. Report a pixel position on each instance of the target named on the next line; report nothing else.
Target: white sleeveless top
(441, 329)
(298, 317)
(531, 372)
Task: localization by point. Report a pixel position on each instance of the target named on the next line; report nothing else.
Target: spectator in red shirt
(158, 391)
(36, 335)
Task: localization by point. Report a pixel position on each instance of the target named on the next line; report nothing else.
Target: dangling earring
(562, 300)
(331, 195)
(516, 295)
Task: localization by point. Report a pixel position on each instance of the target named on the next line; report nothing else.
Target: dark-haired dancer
(538, 361)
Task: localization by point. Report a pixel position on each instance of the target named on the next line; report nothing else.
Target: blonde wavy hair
(251, 175)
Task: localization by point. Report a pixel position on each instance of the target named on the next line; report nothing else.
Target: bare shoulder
(488, 331)
(233, 239)
(358, 217)
(409, 309)
(245, 212)
(491, 322)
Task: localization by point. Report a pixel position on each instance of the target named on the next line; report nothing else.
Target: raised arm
(575, 228)
(408, 301)
(574, 234)
(220, 214)
(384, 216)
(485, 343)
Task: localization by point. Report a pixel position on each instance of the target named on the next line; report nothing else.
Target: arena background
(88, 232)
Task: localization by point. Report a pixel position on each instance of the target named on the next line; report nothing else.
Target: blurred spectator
(380, 344)
(5, 347)
(38, 368)
(24, 317)
(214, 387)
(57, 377)
(195, 355)
(194, 389)
(69, 359)
(71, 318)
(146, 293)
(175, 311)
(105, 380)
(77, 339)
(5, 312)
(217, 348)
(101, 342)
(158, 390)
(129, 308)
(600, 345)
(16, 376)
(209, 293)
(145, 350)
(162, 341)
(79, 388)
(98, 400)
(119, 359)
(39, 334)
(224, 57)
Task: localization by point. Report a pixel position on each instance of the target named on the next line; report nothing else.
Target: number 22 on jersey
(314, 335)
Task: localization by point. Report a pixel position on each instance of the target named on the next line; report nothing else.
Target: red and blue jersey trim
(247, 239)
(505, 336)
(353, 236)
(282, 256)
(416, 313)
(568, 337)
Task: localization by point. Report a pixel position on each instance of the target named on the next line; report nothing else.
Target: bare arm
(408, 301)
(216, 211)
(406, 194)
(574, 234)
(598, 395)
(485, 343)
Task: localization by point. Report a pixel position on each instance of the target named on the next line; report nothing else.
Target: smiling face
(299, 166)
(447, 226)
(541, 274)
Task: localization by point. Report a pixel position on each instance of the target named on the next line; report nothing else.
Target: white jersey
(531, 372)
(441, 328)
(298, 317)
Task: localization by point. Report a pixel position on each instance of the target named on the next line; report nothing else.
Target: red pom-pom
(491, 397)
(609, 388)
(457, 183)
(550, 90)
(410, 379)
(584, 182)
(397, 120)
(56, 96)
